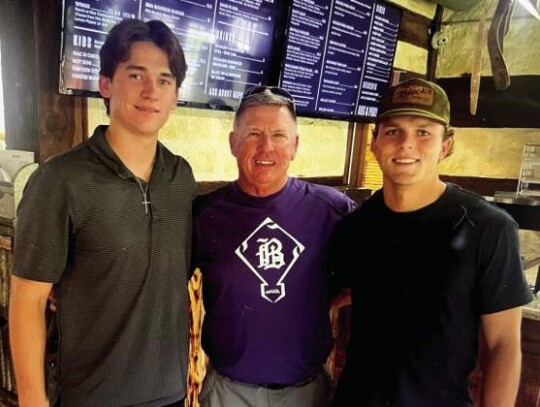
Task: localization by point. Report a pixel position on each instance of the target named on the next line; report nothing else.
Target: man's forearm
(501, 378)
(27, 340)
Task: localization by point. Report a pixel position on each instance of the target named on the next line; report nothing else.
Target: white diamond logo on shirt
(270, 253)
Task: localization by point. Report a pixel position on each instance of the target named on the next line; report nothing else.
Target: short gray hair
(265, 97)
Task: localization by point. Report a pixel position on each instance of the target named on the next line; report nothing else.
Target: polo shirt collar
(100, 146)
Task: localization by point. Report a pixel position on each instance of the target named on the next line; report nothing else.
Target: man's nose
(407, 139)
(150, 88)
(267, 142)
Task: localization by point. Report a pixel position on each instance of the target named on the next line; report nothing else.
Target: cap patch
(414, 94)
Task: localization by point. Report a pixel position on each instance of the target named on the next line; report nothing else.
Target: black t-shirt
(416, 310)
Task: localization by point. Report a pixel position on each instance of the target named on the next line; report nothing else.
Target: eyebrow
(277, 130)
(141, 68)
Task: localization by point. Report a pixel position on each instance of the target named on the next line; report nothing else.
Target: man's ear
(175, 101)
(373, 145)
(446, 147)
(295, 147)
(105, 86)
(232, 143)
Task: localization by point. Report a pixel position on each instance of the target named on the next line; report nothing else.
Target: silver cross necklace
(144, 191)
(146, 202)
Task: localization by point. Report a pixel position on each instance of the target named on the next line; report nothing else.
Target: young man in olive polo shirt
(107, 226)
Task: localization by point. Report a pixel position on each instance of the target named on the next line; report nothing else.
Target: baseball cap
(416, 97)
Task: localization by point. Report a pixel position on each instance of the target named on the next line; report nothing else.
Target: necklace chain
(146, 202)
(144, 191)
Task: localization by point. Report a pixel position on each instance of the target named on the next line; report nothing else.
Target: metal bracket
(438, 39)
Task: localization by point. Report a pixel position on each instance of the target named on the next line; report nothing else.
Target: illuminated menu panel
(227, 43)
(379, 59)
(339, 55)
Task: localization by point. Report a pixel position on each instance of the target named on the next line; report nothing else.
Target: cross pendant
(146, 204)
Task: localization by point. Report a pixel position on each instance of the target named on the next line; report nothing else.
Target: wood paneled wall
(37, 117)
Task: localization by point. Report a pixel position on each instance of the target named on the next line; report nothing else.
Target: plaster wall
(520, 45)
(201, 136)
(494, 153)
(411, 58)
(422, 7)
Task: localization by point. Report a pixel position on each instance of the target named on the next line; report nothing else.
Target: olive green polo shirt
(120, 270)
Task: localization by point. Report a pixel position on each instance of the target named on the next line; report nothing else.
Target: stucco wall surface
(202, 137)
(411, 58)
(422, 7)
(521, 45)
(492, 153)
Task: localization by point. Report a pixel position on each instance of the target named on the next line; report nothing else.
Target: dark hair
(265, 95)
(117, 47)
(448, 134)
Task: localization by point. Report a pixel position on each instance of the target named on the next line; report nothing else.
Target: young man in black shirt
(447, 264)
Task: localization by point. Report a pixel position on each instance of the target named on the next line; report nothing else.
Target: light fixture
(530, 8)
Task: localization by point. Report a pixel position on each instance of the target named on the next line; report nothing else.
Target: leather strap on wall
(476, 72)
(497, 31)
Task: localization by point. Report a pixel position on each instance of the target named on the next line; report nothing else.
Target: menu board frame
(338, 56)
(222, 60)
(227, 43)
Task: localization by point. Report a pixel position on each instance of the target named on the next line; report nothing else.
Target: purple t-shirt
(265, 272)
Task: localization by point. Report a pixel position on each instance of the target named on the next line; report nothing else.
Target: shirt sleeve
(502, 281)
(42, 227)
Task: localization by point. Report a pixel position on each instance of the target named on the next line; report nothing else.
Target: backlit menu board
(339, 56)
(227, 43)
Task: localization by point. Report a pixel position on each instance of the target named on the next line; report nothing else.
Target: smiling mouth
(405, 160)
(264, 162)
(147, 109)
